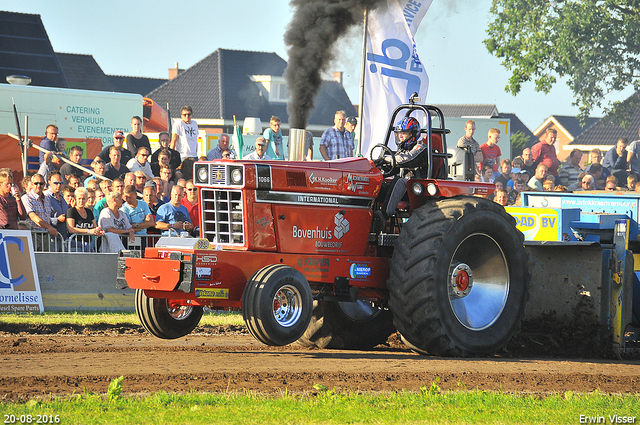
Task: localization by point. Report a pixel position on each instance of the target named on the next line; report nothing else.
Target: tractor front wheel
(277, 304)
(164, 318)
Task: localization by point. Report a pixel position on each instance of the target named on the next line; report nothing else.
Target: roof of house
(486, 111)
(138, 85)
(83, 72)
(220, 86)
(469, 111)
(606, 133)
(571, 125)
(26, 50)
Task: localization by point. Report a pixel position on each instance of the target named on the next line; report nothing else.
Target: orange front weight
(165, 277)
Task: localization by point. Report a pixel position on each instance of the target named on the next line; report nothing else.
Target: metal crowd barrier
(82, 243)
(44, 242)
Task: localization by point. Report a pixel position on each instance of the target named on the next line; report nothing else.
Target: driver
(410, 159)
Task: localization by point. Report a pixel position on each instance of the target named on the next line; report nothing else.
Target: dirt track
(39, 362)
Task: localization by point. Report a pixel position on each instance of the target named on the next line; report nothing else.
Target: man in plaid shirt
(40, 213)
(336, 141)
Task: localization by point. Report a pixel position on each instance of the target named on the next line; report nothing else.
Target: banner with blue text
(393, 70)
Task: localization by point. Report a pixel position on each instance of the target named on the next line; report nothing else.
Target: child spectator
(515, 174)
(135, 139)
(501, 197)
(549, 184)
(519, 186)
(487, 174)
(166, 177)
(490, 150)
(505, 174)
(69, 195)
(273, 134)
(517, 162)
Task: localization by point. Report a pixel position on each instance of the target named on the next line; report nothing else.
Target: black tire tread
(154, 316)
(258, 318)
(414, 266)
(331, 328)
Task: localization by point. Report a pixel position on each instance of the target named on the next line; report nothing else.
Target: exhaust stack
(296, 144)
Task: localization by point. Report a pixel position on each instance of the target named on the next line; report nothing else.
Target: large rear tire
(277, 304)
(459, 277)
(349, 326)
(164, 318)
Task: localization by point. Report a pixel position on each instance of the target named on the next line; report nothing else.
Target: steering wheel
(387, 168)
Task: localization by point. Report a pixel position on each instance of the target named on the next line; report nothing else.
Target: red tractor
(291, 245)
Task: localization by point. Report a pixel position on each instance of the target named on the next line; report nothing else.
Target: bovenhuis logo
(341, 227)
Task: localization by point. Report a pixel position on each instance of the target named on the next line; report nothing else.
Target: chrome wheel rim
(287, 306)
(180, 312)
(478, 282)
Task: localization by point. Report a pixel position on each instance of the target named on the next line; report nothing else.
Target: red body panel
(220, 276)
(315, 217)
(330, 230)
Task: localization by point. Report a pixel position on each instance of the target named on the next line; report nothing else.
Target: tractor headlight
(236, 176)
(202, 173)
(432, 189)
(417, 189)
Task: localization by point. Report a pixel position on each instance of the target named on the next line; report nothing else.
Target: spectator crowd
(130, 192)
(133, 191)
(538, 167)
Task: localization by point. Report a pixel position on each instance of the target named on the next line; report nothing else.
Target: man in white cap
(260, 152)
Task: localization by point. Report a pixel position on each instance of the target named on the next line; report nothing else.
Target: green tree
(594, 44)
(519, 141)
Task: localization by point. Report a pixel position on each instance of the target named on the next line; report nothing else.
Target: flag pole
(361, 97)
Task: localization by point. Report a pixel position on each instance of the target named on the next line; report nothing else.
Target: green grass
(430, 405)
(318, 406)
(85, 318)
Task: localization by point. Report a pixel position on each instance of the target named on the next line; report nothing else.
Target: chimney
(173, 72)
(337, 76)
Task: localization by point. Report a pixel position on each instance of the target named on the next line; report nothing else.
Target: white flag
(393, 70)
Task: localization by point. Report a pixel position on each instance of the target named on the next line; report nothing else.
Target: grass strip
(330, 407)
(86, 318)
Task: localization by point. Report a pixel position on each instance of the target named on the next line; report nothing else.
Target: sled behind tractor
(291, 245)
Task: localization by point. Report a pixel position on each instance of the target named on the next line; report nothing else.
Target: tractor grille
(223, 216)
(217, 174)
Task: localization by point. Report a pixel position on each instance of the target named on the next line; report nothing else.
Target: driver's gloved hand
(388, 159)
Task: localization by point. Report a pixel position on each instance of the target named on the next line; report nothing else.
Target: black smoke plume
(315, 27)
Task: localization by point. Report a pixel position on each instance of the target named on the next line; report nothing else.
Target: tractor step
(386, 239)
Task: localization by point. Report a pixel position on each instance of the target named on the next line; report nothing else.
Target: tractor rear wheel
(458, 278)
(346, 325)
(277, 304)
(164, 318)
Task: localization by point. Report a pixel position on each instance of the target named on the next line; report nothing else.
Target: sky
(144, 38)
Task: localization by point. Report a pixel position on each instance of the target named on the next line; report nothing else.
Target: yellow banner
(537, 224)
